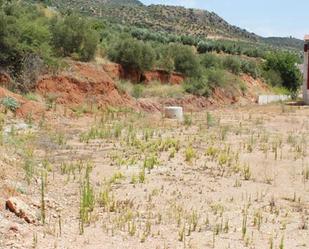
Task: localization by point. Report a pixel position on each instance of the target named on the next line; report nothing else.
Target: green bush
(133, 54)
(204, 47)
(185, 60)
(24, 33)
(210, 60)
(74, 35)
(165, 60)
(10, 103)
(198, 86)
(285, 64)
(272, 77)
(232, 64)
(251, 68)
(216, 77)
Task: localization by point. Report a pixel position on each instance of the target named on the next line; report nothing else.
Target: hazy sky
(264, 17)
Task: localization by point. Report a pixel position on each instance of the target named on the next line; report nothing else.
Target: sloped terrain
(178, 20)
(91, 84)
(83, 83)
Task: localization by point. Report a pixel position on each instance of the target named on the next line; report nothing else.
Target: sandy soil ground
(230, 178)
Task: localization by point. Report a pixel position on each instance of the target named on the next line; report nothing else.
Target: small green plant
(210, 120)
(306, 173)
(10, 104)
(223, 132)
(244, 224)
(134, 179)
(247, 172)
(243, 88)
(271, 243)
(141, 176)
(258, 219)
(172, 154)
(34, 240)
(132, 228)
(150, 162)
(86, 200)
(181, 233)
(281, 246)
(187, 120)
(43, 183)
(116, 178)
(137, 91)
(190, 153)
(51, 99)
(31, 96)
(1, 127)
(29, 164)
(194, 221)
(226, 226)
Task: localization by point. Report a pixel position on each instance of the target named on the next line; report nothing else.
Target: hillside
(284, 42)
(178, 20)
(171, 19)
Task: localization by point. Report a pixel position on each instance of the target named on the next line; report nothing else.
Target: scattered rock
(21, 209)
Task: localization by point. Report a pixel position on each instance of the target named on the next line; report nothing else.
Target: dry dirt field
(229, 178)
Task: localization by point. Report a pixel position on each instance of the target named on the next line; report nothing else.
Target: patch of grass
(187, 120)
(279, 90)
(87, 200)
(152, 89)
(10, 104)
(31, 96)
(137, 91)
(190, 153)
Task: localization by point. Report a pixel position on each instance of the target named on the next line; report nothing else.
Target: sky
(263, 17)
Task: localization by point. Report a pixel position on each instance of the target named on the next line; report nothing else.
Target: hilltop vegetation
(177, 20)
(171, 19)
(284, 42)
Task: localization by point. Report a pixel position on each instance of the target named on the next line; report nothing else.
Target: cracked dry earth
(230, 178)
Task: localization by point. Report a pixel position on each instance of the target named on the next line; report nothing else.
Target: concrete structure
(267, 99)
(306, 71)
(174, 112)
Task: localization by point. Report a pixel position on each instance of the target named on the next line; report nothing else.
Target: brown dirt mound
(83, 82)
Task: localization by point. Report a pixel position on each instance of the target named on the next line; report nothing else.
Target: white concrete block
(174, 112)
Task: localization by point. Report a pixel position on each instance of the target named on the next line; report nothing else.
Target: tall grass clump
(87, 200)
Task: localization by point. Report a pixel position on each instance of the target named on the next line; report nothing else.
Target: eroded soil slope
(82, 83)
